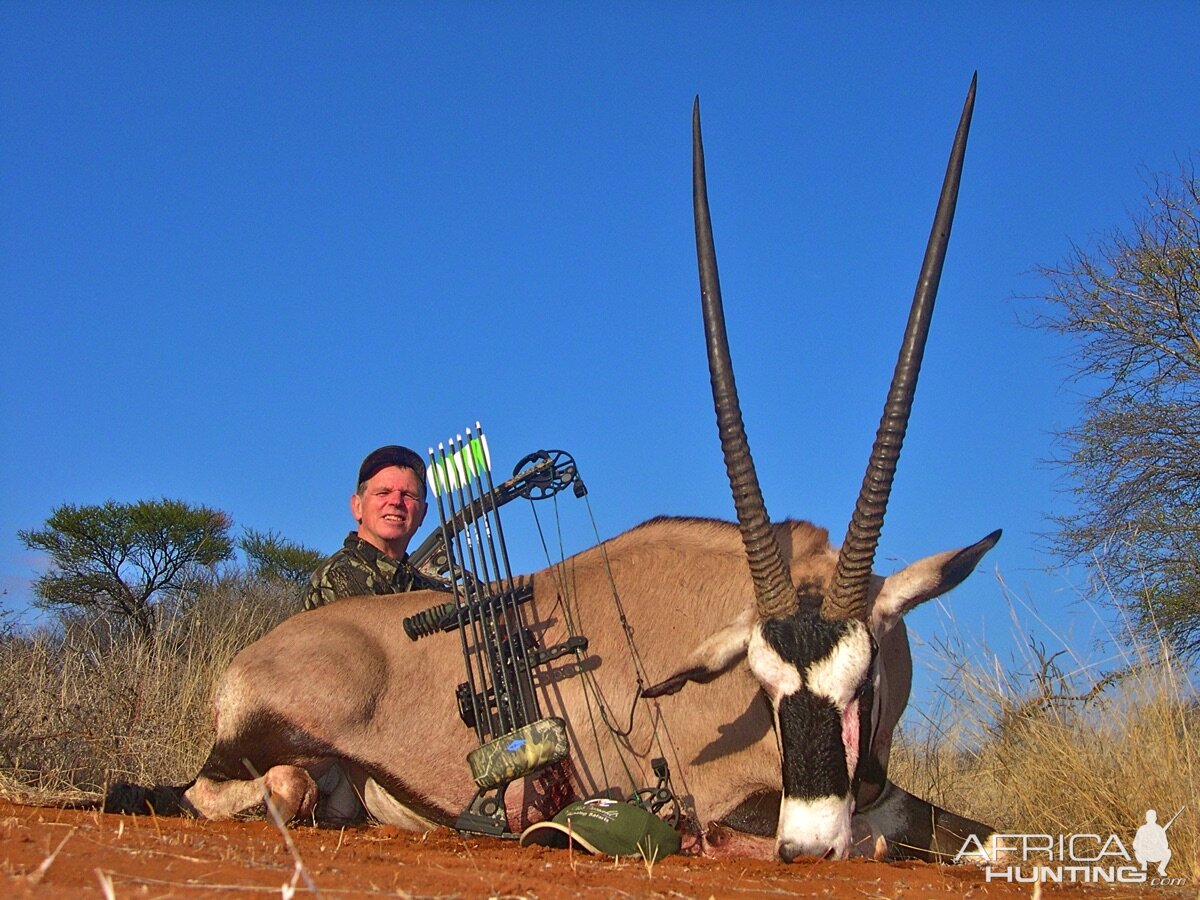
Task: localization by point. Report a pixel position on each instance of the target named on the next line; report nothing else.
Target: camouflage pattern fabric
(519, 753)
(359, 569)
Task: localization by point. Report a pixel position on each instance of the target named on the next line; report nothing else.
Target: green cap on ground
(606, 826)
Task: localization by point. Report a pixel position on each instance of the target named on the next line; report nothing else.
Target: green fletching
(454, 470)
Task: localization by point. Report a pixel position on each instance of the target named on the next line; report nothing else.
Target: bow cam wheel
(555, 469)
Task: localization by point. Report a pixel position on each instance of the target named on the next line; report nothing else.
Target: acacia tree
(124, 558)
(272, 556)
(1131, 303)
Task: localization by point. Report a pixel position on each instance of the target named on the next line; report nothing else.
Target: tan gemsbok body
(801, 661)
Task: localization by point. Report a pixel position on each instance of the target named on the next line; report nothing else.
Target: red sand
(49, 852)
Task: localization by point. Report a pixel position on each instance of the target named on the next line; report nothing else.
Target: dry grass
(89, 706)
(1060, 746)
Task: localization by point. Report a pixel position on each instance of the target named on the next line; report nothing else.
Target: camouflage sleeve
(314, 595)
(335, 579)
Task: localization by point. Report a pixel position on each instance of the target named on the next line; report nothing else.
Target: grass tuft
(87, 706)
(1058, 745)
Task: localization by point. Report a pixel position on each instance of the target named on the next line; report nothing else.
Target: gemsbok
(796, 654)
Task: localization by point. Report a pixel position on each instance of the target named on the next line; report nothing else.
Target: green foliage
(271, 556)
(123, 559)
(1131, 303)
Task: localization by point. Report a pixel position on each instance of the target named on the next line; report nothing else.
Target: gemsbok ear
(923, 580)
(716, 655)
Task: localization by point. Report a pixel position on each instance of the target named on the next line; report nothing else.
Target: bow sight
(498, 699)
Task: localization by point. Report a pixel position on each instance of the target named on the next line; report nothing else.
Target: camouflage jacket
(359, 569)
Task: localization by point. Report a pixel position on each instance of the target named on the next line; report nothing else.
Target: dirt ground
(53, 852)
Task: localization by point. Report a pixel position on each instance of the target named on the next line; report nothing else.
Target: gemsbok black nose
(789, 850)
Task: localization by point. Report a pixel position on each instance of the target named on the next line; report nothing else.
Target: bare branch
(1130, 303)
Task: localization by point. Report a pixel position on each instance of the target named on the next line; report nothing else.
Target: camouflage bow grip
(519, 753)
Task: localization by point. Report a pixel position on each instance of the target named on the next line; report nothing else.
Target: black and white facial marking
(814, 672)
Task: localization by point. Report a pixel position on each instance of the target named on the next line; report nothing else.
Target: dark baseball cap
(392, 455)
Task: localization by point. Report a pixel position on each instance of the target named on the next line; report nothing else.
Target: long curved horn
(772, 586)
(847, 597)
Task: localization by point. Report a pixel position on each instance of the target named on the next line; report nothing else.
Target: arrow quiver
(497, 699)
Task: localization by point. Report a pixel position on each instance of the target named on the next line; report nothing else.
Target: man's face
(389, 510)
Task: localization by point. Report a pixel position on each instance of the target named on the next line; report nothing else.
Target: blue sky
(242, 244)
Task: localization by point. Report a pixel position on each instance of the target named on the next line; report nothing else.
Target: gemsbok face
(816, 674)
(813, 651)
